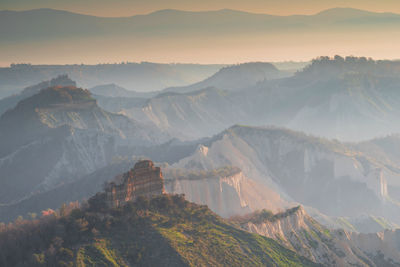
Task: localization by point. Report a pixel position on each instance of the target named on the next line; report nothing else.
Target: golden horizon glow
(296, 45)
(123, 8)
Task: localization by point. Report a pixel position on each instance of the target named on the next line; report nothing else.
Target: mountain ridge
(256, 31)
(235, 77)
(328, 11)
(295, 229)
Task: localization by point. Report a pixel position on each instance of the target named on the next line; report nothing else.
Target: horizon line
(203, 11)
(193, 63)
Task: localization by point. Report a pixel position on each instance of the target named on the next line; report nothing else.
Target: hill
(190, 115)
(163, 231)
(72, 135)
(11, 101)
(235, 77)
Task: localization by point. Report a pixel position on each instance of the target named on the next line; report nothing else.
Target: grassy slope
(166, 231)
(193, 235)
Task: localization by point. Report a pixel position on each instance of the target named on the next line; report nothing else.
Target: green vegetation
(310, 237)
(164, 231)
(98, 254)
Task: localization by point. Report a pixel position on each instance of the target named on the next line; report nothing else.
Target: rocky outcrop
(301, 233)
(143, 180)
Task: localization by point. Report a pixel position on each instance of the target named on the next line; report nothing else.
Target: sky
(117, 8)
(380, 40)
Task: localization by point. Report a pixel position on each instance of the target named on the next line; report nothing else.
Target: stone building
(143, 180)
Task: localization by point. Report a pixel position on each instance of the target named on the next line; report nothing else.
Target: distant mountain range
(140, 77)
(350, 99)
(66, 24)
(174, 35)
(196, 110)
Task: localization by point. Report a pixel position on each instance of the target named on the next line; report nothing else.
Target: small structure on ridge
(143, 180)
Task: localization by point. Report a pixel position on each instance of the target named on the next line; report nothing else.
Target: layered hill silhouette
(350, 99)
(169, 33)
(313, 171)
(141, 77)
(203, 20)
(263, 164)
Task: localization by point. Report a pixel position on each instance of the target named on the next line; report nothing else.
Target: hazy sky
(196, 45)
(132, 7)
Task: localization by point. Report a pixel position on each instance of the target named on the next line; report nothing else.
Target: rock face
(189, 115)
(227, 191)
(326, 175)
(143, 180)
(299, 232)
